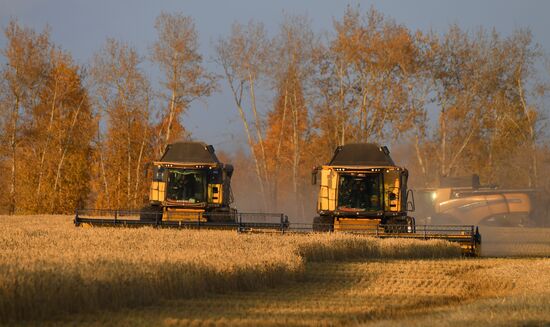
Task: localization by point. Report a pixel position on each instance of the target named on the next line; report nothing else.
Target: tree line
(452, 103)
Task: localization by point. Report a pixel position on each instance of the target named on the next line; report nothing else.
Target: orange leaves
(467, 100)
(51, 148)
(124, 93)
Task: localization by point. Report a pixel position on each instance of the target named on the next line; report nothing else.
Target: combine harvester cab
(190, 188)
(190, 184)
(362, 191)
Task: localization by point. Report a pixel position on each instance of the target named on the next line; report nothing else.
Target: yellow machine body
(157, 192)
(213, 192)
(356, 224)
(391, 196)
(392, 176)
(183, 214)
(190, 184)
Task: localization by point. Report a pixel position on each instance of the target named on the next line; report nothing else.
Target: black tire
(150, 214)
(316, 223)
(323, 224)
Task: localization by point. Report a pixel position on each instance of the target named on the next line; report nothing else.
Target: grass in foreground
(48, 267)
(473, 292)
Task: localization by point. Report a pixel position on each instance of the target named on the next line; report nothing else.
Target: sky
(81, 27)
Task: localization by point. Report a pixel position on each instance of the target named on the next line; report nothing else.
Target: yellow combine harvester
(190, 184)
(190, 188)
(363, 191)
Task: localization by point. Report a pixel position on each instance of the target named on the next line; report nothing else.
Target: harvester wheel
(150, 214)
(316, 224)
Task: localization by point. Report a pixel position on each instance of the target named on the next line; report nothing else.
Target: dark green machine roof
(361, 154)
(198, 152)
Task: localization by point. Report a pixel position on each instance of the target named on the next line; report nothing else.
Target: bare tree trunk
(43, 155)
(141, 149)
(128, 163)
(170, 119)
(419, 157)
(374, 121)
(532, 136)
(117, 198)
(128, 148)
(296, 156)
(138, 166)
(13, 145)
(65, 148)
(363, 119)
(278, 153)
(238, 100)
(342, 105)
(255, 156)
(492, 141)
(442, 123)
(104, 176)
(460, 150)
(258, 130)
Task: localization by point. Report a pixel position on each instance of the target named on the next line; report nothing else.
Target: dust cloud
(515, 241)
(528, 237)
(250, 197)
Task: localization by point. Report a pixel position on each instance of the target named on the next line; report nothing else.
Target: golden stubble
(48, 267)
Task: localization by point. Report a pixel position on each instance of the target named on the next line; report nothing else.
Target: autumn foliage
(454, 103)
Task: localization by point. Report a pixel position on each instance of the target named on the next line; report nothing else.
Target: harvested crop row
(47, 266)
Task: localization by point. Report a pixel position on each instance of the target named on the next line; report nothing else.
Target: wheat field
(443, 292)
(52, 273)
(50, 269)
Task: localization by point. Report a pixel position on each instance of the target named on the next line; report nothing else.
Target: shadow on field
(353, 293)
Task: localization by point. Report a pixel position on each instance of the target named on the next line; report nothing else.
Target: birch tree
(288, 127)
(243, 56)
(62, 128)
(176, 52)
(25, 56)
(123, 95)
(364, 77)
(487, 120)
(519, 110)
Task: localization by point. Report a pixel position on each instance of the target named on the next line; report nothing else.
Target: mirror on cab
(314, 176)
(410, 200)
